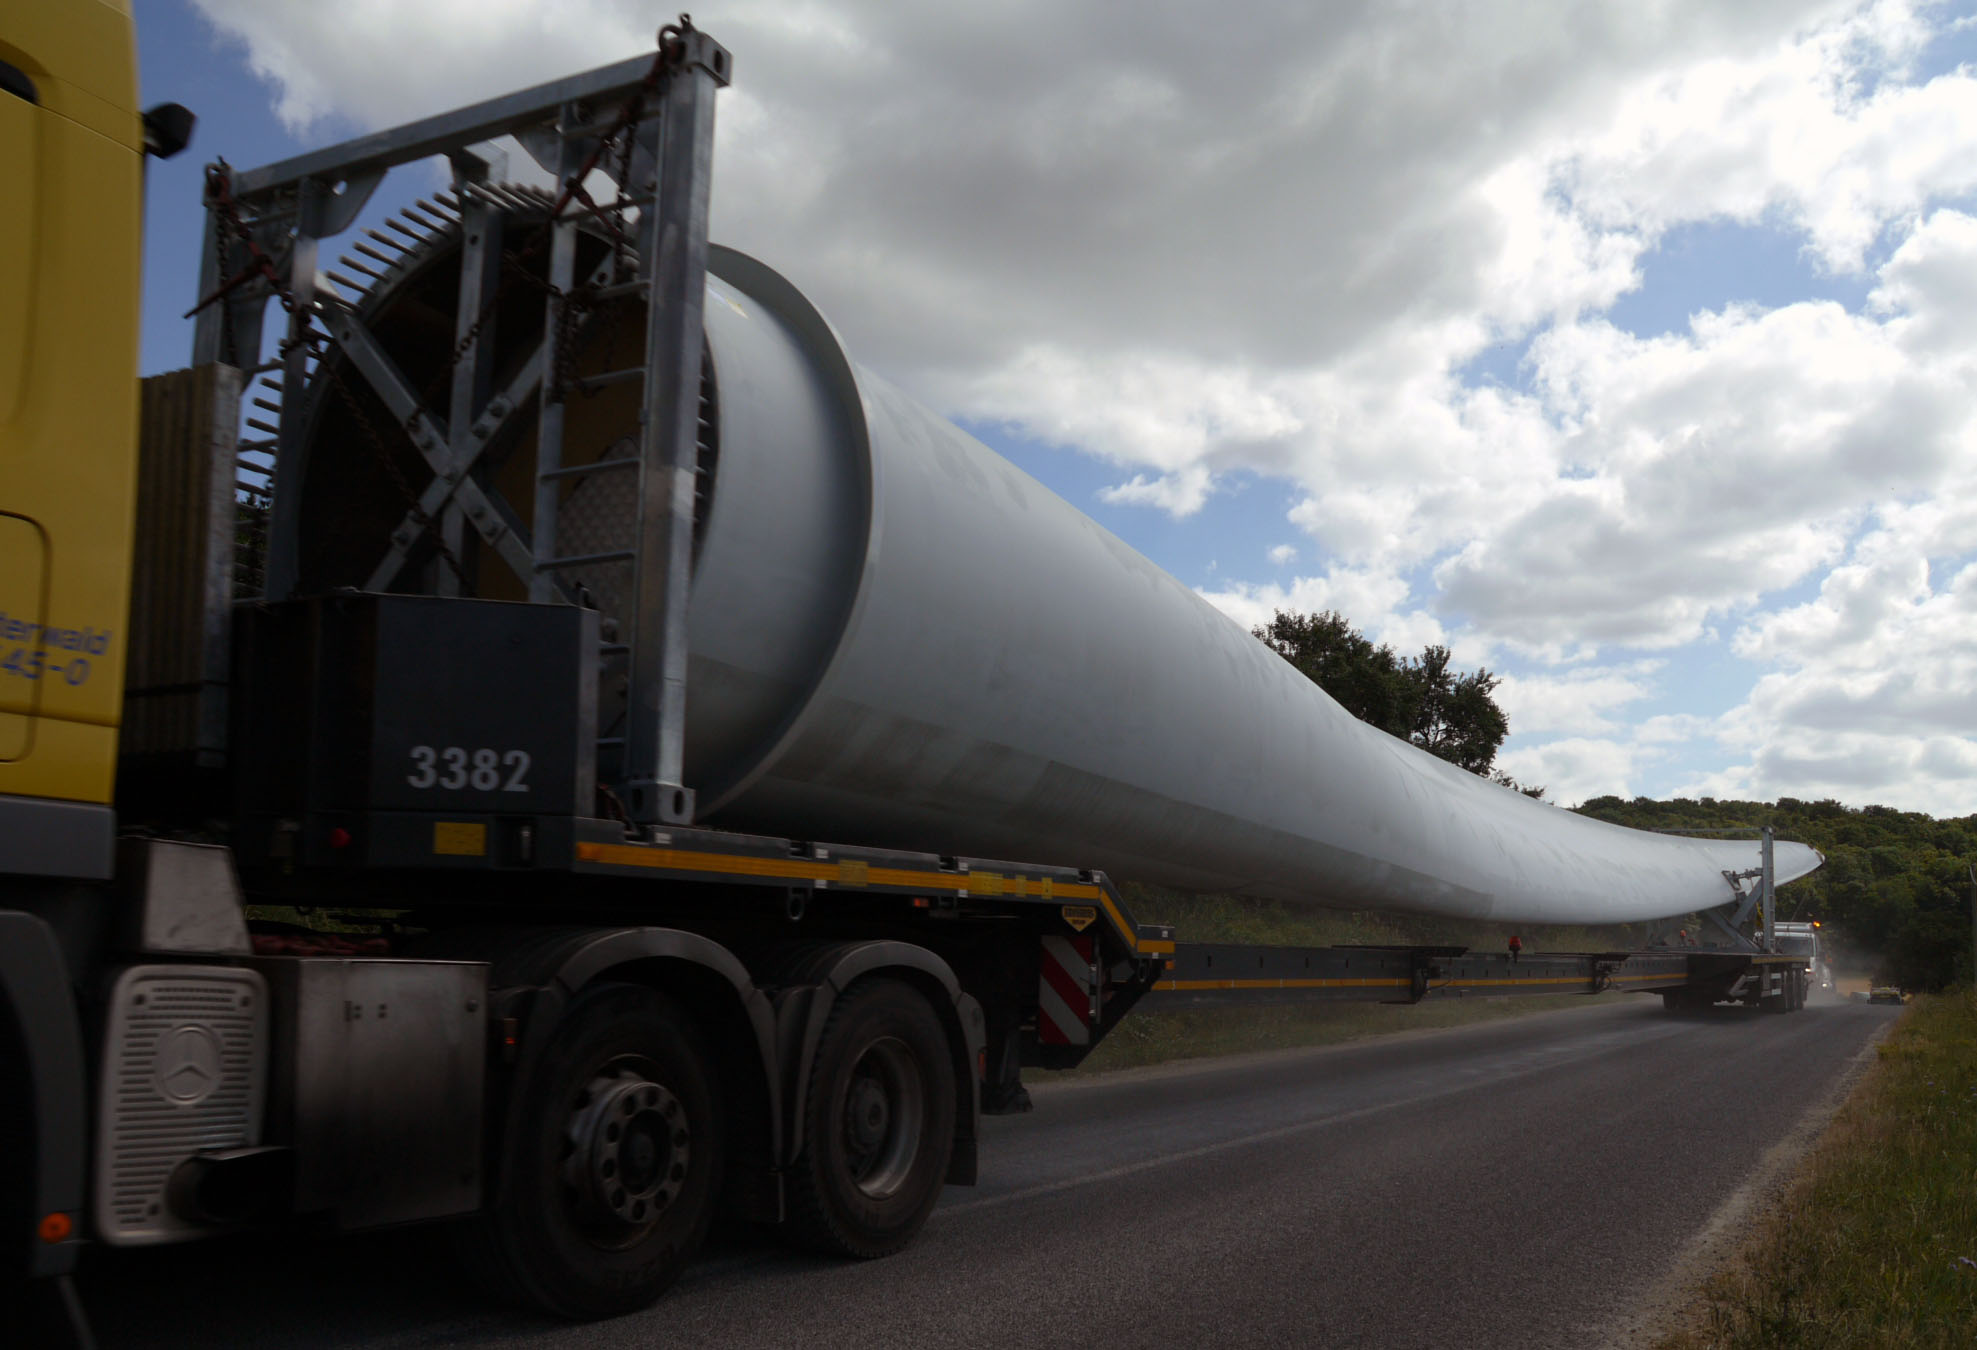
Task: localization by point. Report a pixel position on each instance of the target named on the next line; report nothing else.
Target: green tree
(1447, 712)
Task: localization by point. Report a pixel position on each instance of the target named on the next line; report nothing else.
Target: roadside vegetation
(1894, 893)
(1875, 1246)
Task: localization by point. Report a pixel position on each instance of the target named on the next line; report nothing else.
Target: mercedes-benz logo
(188, 1065)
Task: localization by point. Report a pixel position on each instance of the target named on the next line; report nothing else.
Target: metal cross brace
(429, 437)
(452, 478)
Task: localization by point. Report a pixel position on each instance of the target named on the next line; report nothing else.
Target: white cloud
(1582, 702)
(1283, 555)
(1179, 494)
(1820, 131)
(1373, 601)
(379, 62)
(1572, 769)
(1723, 464)
(1876, 698)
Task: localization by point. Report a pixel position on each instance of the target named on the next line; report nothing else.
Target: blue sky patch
(1710, 265)
(1245, 516)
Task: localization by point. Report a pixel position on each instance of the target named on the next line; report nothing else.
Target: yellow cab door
(71, 146)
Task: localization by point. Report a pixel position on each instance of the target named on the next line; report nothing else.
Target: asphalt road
(1523, 1183)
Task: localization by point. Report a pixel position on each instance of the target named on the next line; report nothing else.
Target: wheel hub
(870, 1113)
(630, 1148)
(883, 1116)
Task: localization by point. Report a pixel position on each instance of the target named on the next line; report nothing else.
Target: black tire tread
(811, 1220)
(491, 1246)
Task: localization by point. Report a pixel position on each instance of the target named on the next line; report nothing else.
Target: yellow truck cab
(71, 151)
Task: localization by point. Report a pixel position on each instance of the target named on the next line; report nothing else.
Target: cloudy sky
(1629, 350)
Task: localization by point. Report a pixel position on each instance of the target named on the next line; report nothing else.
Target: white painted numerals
(451, 768)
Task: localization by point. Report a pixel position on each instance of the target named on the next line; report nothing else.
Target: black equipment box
(356, 702)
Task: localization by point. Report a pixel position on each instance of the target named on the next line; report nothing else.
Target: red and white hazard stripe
(1066, 992)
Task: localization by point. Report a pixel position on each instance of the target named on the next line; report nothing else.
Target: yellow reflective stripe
(1185, 986)
(680, 860)
(1130, 932)
(807, 869)
(1490, 983)
(1389, 983)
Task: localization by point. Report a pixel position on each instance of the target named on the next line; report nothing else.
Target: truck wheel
(878, 1124)
(1780, 1002)
(614, 1164)
(1685, 1001)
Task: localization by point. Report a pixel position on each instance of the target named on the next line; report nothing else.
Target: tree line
(1893, 895)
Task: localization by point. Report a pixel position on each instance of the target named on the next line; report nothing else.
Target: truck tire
(1686, 1001)
(878, 1124)
(613, 1164)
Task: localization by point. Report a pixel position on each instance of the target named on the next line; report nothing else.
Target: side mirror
(168, 129)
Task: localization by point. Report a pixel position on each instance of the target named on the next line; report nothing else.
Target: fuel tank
(900, 639)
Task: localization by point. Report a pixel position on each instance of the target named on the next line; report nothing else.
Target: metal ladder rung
(613, 648)
(625, 376)
(634, 287)
(595, 466)
(584, 560)
(610, 740)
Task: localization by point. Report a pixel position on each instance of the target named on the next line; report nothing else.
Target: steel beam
(280, 579)
(481, 228)
(447, 131)
(543, 586)
(675, 246)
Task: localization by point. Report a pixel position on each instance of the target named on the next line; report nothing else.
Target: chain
(227, 352)
(219, 193)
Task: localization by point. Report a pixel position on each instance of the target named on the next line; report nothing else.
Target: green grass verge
(1153, 1036)
(1875, 1246)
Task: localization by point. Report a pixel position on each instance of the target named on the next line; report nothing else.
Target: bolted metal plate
(380, 1085)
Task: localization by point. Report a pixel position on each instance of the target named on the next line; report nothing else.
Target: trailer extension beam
(1207, 974)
